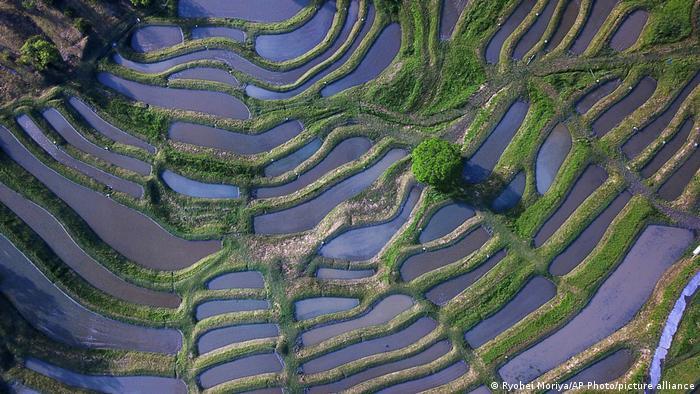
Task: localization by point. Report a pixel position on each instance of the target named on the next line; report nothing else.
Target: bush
(437, 162)
(39, 53)
(141, 3)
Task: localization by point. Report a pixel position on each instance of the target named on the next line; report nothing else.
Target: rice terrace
(361, 196)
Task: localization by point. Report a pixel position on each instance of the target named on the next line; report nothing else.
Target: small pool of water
(669, 149)
(237, 280)
(551, 156)
(587, 102)
(431, 381)
(511, 195)
(565, 23)
(449, 15)
(152, 38)
(293, 160)
(493, 49)
(313, 307)
(617, 112)
(629, 31)
(535, 32)
(218, 31)
(192, 188)
(219, 307)
(444, 221)
(600, 10)
(224, 336)
(205, 74)
(240, 368)
(606, 370)
(677, 182)
(268, 11)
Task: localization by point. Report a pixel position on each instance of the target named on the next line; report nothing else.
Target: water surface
(436, 379)
(481, 164)
(584, 104)
(220, 337)
(365, 242)
(131, 233)
(624, 107)
(73, 137)
(380, 313)
(107, 129)
(219, 307)
(448, 290)
(565, 23)
(237, 280)
(584, 244)
(598, 12)
(669, 149)
(192, 188)
(240, 368)
(346, 151)
(533, 295)
(205, 101)
(614, 304)
(268, 11)
(449, 15)
(313, 307)
(152, 38)
(231, 141)
(493, 49)
(676, 183)
(307, 215)
(218, 31)
(384, 344)
(606, 370)
(293, 160)
(422, 262)
(141, 384)
(50, 310)
(206, 74)
(444, 221)
(511, 194)
(629, 31)
(376, 59)
(286, 46)
(535, 32)
(593, 176)
(551, 156)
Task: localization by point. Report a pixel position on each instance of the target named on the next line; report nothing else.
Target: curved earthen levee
(61, 318)
(129, 232)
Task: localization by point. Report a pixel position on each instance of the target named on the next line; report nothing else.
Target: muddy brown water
(587, 102)
(231, 141)
(110, 180)
(598, 12)
(446, 291)
(131, 233)
(384, 344)
(268, 11)
(152, 38)
(285, 46)
(379, 313)
(493, 49)
(220, 337)
(192, 188)
(61, 318)
(629, 31)
(376, 60)
(73, 137)
(590, 180)
(317, 306)
(341, 274)
(551, 156)
(108, 383)
(650, 132)
(624, 107)
(436, 379)
(237, 280)
(535, 32)
(533, 295)
(240, 368)
(422, 262)
(206, 74)
(240, 63)
(219, 307)
(669, 149)
(480, 165)
(218, 31)
(613, 305)
(205, 101)
(105, 128)
(511, 194)
(428, 355)
(50, 229)
(365, 242)
(444, 221)
(582, 246)
(449, 15)
(307, 215)
(346, 151)
(266, 94)
(566, 21)
(605, 370)
(293, 160)
(677, 182)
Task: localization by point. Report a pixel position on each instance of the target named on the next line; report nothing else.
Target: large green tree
(437, 162)
(39, 52)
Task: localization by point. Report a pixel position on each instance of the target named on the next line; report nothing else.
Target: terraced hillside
(229, 202)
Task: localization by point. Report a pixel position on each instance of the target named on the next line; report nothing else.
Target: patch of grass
(670, 21)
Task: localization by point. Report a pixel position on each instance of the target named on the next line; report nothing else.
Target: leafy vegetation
(437, 162)
(39, 53)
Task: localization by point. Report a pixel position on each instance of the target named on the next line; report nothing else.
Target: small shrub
(39, 52)
(437, 162)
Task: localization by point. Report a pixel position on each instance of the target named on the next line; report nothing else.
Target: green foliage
(670, 22)
(149, 123)
(82, 24)
(437, 162)
(39, 53)
(141, 3)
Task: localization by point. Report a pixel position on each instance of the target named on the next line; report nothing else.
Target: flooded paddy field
(286, 196)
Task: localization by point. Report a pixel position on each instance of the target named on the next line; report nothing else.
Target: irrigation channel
(233, 205)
